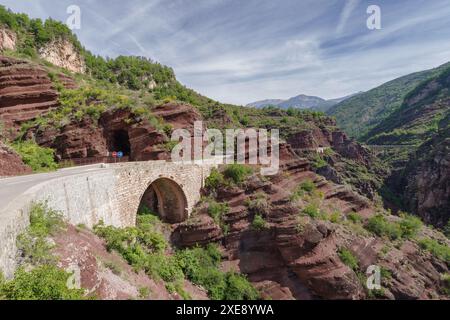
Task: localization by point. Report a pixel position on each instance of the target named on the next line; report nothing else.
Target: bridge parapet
(111, 194)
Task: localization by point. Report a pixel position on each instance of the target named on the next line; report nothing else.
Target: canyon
(309, 232)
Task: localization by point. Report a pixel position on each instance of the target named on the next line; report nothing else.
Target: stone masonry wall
(112, 195)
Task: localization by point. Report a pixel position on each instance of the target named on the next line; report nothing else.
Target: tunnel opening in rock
(165, 198)
(120, 141)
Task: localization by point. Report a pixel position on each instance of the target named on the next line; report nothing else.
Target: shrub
(312, 210)
(335, 217)
(440, 251)
(447, 229)
(214, 180)
(40, 159)
(308, 186)
(238, 288)
(237, 173)
(42, 283)
(354, 217)
(201, 266)
(348, 258)
(259, 223)
(410, 225)
(259, 204)
(217, 210)
(445, 278)
(381, 227)
(33, 243)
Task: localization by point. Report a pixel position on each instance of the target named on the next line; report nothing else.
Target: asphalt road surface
(13, 187)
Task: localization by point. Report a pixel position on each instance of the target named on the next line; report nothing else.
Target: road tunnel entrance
(166, 198)
(120, 141)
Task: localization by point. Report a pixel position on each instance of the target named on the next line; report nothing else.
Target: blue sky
(239, 51)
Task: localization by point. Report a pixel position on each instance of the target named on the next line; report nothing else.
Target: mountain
(299, 102)
(363, 112)
(265, 103)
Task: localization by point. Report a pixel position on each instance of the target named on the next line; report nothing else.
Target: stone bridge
(110, 193)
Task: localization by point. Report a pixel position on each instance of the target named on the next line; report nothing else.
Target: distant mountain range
(301, 101)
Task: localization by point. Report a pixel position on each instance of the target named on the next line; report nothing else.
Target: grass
(440, 251)
(39, 278)
(407, 227)
(201, 266)
(306, 187)
(237, 173)
(46, 282)
(217, 211)
(33, 244)
(40, 159)
(348, 258)
(312, 210)
(259, 223)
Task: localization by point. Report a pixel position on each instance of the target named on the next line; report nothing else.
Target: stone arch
(167, 198)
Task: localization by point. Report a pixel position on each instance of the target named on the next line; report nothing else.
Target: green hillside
(360, 114)
(418, 117)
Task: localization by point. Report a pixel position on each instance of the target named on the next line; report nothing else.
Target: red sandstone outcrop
(26, 92)
(117, 130)
(10, 162)
(105, 275)
(296, 256)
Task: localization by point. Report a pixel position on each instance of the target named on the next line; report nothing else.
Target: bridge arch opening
(166, 198)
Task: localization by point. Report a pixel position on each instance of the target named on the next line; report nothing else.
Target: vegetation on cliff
(38, 277)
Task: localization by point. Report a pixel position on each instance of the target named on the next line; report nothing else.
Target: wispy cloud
(239, 51)
(346, 13)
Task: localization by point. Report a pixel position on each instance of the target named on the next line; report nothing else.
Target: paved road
(13, 187)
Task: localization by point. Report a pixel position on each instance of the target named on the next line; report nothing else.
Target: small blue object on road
(120, 154)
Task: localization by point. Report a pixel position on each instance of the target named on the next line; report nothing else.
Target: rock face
(117, 130)
(10, 162)
(8, 39)
(324, 137)
(26, 92)
(106, 275)
(62, 53)
(296, 256)
(426, 178)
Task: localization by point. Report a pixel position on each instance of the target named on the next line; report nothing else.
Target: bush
(440, 251)
(447, 229)
(381, 227)
(312, 210)
(354, 217)
(40, 159)
(237, 173)
(42, 283)
(259, 223)
(217, 210)
(214, 180)
(33, 244)
(201, 266)
(348, 258)
(238, 288)
(308, 186)
(410, 225)
(260, 204)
